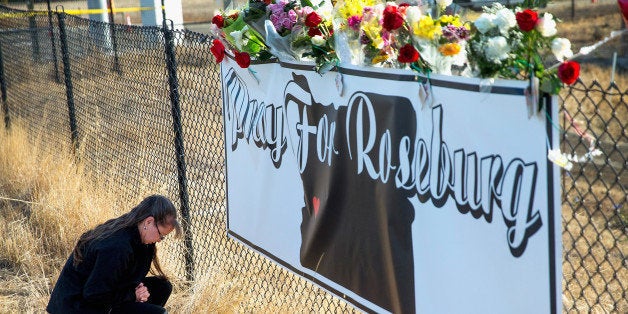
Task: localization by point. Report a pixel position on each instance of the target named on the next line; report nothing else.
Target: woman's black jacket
(111, 269)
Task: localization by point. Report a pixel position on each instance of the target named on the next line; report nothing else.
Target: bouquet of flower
(243, 40)
(379, 33)
(502, 42)
(515, 45)
(441, 40)
(292, 30)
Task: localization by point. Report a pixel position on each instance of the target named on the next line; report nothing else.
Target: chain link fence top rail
(120, 81)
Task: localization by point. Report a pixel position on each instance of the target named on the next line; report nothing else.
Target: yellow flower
(449, 49)
(350, 8)
(426, 28)
(372, 30)
(379, 58)
(450, 19)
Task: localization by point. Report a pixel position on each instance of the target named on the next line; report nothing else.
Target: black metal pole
(573, 9)
(173, 83)
(3, 90)
(68, 80)
(51, 33)
(114, 41)
(163, 13)
(32, 26)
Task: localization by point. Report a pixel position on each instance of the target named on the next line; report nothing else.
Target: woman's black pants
(159, 290)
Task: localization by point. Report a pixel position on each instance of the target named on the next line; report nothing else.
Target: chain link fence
(141, 106)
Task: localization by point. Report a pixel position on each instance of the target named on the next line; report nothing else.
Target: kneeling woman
(106, 272)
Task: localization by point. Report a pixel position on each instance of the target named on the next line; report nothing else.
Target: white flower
(413, 14)
(561, 48)
(238, 37)
(318, 40)
(559, 159)
(546, 25)
(497, 48)
(485, 22)
(505, 20)
(444, 3)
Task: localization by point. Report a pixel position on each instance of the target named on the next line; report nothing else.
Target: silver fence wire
(141, 106)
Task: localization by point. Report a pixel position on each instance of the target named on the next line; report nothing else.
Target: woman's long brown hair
(157, 206)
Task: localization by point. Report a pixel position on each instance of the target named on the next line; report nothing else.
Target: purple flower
(450, 32)
(365, 40)
(280, 18)
(463, 33)
(354, 22)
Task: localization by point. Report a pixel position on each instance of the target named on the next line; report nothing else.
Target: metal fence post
(32, 25)
(69, 92)
(114, 41)
(173, 83)
(3, 90)
(52, 42)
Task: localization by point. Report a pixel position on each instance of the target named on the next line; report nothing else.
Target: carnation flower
(218, 50)
(561, 48)
(354, 22)
(318, 40)
(546, 25)
(568, 72)
(560, 159)
(218, 20)
(527, 19)
(413, 14)
(504, 19)
(408, 54)
(444, 3)
(392, 18)
(313, 19)
(314, 32)
(282, 19)
(484, 23)
(497, 48)
(243, 59)
(449, 49)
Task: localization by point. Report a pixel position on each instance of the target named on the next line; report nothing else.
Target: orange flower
(449, 49)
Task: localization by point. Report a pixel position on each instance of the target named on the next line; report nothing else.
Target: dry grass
(46, 201)
(55, 199)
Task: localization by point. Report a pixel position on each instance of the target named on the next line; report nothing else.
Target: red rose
(314, 31)
(568, 72)
(218, 50)
(408, 54)
(218, 20)
(527, 19)
(243, 59)
(313, 19)
(392, 18)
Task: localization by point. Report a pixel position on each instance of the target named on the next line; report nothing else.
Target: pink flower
(354, 22)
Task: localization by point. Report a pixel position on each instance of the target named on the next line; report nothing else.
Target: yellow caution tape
(115, 10)
(75, 12)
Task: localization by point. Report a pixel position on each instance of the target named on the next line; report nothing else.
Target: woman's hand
(141, 293)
